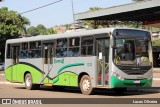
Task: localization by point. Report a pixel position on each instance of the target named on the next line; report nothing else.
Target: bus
(114, 58)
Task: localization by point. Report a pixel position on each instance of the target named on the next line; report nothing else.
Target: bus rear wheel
(86, 86)
(28, 82)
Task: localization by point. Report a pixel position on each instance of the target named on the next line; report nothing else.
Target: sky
(56, 14)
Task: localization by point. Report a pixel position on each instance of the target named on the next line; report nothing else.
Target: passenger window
(8, 51)
(24, 51)
(74, 44)
(35, 49)
(61, 48)
(87, 45)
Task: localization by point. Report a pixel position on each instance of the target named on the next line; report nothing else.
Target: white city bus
(116, 58)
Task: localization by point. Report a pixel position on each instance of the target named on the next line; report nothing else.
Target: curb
(156, 79)
(9, 83)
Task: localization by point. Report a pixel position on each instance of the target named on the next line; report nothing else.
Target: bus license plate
(136, 82)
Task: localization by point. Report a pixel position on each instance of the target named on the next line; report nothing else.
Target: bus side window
(74, 44)
(24, 51)
(61, 48)
(35, 49)
(8, 51)
(87, 45)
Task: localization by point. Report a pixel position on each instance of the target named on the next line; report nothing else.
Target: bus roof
(65, 35)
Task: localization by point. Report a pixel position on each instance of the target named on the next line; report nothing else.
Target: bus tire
(28, 82)
(86, 86)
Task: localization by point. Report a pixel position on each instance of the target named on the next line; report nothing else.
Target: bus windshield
(131, 52)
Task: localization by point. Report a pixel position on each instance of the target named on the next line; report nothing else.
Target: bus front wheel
(86, 86)
(28, 82)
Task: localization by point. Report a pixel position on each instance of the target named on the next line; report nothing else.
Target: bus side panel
(65, 79)
(8, 73)
(22, 68)
(65, 71)
(33, 66)
(8, 69)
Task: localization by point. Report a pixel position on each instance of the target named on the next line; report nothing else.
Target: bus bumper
(126, 83)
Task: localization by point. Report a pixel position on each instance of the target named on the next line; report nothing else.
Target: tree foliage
(51, 31)
(12, 25)
(32, 31)
(40, 30)
(156, 42)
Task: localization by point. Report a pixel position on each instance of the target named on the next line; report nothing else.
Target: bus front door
(15, 60)
(48, 52)
(102, 52)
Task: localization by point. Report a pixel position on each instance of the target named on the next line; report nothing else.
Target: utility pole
(73, 16)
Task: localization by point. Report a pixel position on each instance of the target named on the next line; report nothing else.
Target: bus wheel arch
(26, 72)
(28, 80)
(85, 84)
(80, 76)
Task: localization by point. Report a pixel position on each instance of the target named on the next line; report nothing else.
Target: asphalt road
(16, 90)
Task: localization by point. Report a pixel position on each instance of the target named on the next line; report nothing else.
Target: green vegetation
(50, 31)
(12, 25)
(32, 31)
(156, 42)
(95, 8)
(40, 30)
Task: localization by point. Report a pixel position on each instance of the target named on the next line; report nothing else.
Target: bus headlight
(117, 76)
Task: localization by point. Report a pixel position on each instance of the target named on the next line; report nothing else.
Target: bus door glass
(15, 60)
(102, 52)
(48, 52)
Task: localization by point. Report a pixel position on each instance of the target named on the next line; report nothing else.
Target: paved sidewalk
(157, 70)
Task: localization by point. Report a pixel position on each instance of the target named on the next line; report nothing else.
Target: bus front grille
(138, 72)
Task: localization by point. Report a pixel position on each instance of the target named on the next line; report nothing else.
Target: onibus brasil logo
(1, 0)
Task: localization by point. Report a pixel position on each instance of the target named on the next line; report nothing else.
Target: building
(147, 12)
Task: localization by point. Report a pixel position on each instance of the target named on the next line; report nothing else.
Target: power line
(41, 7)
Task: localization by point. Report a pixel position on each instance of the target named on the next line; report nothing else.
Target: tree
(32, 31)
(51, 31)
(41, 29)
(12, 25)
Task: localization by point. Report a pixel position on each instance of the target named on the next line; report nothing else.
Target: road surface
(16, 90)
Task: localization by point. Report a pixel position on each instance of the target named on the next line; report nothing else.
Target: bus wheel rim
(86, 85)
(28, 81)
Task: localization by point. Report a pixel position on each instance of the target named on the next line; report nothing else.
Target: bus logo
(6, 101)
(58, 61)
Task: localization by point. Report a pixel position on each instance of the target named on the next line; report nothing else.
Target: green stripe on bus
(116, 83)
(66, 66)
(16, 73)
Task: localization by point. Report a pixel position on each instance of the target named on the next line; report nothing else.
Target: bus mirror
(100, 55)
